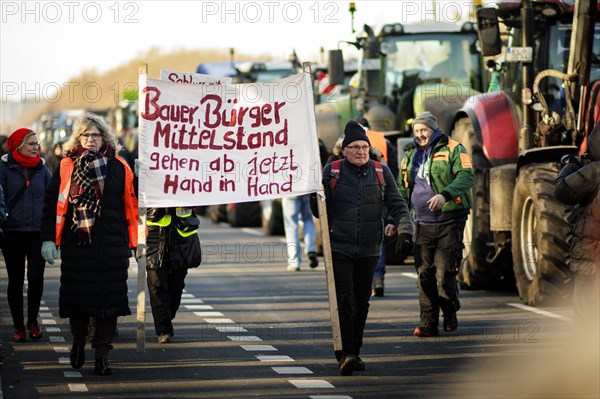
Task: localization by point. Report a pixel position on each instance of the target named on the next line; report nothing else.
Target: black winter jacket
(93, 279)
(355, 209)
(26, 214)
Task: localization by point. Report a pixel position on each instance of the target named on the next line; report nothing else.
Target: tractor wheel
(541, 234)
(476, 272)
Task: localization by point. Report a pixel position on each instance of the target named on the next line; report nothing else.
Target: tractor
(542, 107)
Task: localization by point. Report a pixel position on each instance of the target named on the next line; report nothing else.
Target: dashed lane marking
(231, 329)
(291, 370)
(191, 300)
(274, 358)
(219, 321)
(198, 307)
(410, 275)
(541, 312)
(244, 338)
(208, 314)
(72, 374)
(48, 321)
(78, 388)
(64, 360)
(258, 348)
(61, 349)
(311, 384)
(54, 338)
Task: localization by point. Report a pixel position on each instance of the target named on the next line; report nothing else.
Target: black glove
(404, 244)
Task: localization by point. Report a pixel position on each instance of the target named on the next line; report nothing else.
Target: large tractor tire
(541, 234)
(477, 271)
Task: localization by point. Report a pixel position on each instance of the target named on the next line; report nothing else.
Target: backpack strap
(379, 173)
(335, 173)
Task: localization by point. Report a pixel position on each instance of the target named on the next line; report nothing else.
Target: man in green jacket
(436, 179)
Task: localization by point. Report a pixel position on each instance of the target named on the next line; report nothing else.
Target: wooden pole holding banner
(141, 250)
(333, 305)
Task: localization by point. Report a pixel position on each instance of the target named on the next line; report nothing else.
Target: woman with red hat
(24, 178)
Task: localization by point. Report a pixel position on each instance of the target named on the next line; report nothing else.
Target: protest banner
(192, 78)
(216, 143)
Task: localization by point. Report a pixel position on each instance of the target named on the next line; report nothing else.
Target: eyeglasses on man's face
(93, 136)
(357, 148)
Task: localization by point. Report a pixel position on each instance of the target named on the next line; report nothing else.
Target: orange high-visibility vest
(130, 200)
(378, 141)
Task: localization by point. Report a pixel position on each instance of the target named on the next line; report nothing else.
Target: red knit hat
(17, 137)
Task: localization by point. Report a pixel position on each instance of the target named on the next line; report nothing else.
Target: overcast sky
(44, 43)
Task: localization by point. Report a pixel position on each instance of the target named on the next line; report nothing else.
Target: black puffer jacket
(355, 209)
(577, 184)
(93, 278)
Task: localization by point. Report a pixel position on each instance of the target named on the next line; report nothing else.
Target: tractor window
(422, 58)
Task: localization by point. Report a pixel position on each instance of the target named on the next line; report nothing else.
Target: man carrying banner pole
(356, 191)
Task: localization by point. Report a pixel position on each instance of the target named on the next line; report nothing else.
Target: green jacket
(450, 174)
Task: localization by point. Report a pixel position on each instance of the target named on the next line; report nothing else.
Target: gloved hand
(404, 244)
(49, 251)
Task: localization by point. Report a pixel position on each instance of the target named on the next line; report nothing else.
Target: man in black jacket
(356, 195)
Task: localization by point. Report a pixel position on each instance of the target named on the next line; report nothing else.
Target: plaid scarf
(87, 188)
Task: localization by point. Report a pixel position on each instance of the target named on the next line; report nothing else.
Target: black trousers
(165, 288)
(103, 335)
(353, 285)
(438, 253)
(19, 247)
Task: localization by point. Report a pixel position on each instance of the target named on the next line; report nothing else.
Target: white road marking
(45, 314)
(231, 329)
(257, 348)
(53, 329)
(274, 358)
(191, 300)
(219, 321)
(330, 397)
(541, 312)
(64, 360)
(311, 384)
(291, 370)
(244, 338)
(72, 374)
(48, 321)
(198, 307)
(44, 309)
(410, 275)
(78, 388)
(253, 232)
(187, 295)
(57, 338)
(61, 349)
(208, 314)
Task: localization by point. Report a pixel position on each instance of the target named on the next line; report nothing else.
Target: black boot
(102, 367)
(78, 354)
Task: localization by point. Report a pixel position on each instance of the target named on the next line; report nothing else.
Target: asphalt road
(249, 328)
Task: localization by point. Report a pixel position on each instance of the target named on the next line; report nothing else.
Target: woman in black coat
(90, 213)
(24, 179)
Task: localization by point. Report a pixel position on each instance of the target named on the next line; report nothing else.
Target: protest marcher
(356, 191)
(90, 216)
(296, 212)
(172, 248)
(436, 179)
(24, 179)
(383, 151)
(578, 183)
